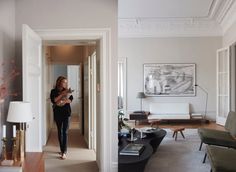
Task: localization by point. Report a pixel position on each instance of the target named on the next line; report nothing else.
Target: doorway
(104, 132)
(78, 64)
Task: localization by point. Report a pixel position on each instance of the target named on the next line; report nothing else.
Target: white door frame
(104, 147)
(92, 101)
(222, 112)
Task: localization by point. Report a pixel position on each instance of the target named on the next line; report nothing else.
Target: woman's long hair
(59, 80)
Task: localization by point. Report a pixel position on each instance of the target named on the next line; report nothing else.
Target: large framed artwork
(169, 79)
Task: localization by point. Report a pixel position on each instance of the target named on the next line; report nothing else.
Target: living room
(163, 36)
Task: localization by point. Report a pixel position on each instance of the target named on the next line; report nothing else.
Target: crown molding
(229, 18)
(168, 28)
(222, 14)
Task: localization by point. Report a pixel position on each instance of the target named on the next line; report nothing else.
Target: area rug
(179, 156)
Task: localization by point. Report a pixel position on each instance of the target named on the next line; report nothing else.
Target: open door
(223, 85)
(32, 86)
(92, 100)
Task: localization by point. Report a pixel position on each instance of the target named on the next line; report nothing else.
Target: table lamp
(20, 112)
(141, 95)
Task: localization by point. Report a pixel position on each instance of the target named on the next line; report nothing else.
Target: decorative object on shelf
(4, 141)
(206, 100)
(169, 79)
(121, 119)
(14, 148)
(20, 112)
(141, 96)
(132, 137)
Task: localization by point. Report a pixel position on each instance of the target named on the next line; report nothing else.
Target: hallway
(79, 158)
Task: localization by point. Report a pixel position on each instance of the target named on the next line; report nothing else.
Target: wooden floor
(197, 124)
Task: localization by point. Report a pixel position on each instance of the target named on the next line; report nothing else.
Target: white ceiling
(142, 18)
(164, 8)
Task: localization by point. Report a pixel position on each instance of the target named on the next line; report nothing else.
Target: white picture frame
(169, 79)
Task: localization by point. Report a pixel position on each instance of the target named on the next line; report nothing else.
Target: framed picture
(169, 79)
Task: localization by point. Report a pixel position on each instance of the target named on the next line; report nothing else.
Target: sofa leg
(204, 159)
(200, 146)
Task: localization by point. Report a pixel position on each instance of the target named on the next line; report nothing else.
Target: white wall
(201, 51)
(53, 14)
(229, 36)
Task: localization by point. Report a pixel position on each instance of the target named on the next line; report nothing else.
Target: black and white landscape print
(169, 79)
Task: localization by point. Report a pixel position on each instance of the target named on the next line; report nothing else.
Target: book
(132, 149)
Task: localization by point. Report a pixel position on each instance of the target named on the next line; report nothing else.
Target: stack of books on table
(132, 149)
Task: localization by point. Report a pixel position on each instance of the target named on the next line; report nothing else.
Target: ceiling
(164, 8)
(142, 18)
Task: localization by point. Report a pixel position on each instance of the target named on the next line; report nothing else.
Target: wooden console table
(33, 162)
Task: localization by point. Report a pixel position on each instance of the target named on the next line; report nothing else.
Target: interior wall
(198, 50)
(7, 61)
(76, 14)
(69, 54)
(229, 36)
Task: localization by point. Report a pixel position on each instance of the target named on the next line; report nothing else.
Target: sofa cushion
(230, 124)
(169, 111)
(216, 137)
(222, 159)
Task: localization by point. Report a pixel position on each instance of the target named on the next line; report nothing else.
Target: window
(122, 84)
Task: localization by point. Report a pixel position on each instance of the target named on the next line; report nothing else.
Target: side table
(138, 116)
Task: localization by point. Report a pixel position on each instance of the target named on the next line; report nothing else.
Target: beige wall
(67, 54)
(7, 53)
(198, 50)
(44, 14)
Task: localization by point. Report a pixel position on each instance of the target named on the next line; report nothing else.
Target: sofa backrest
(230, 123)
(169, 108)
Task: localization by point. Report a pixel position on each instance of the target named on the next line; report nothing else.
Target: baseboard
(114, 167)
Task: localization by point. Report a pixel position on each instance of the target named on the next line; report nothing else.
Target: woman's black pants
(62, 130)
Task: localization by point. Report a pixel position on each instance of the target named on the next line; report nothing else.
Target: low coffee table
(128, 163)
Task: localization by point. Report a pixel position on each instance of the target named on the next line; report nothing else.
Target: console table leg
(176, 135)
(182, 134)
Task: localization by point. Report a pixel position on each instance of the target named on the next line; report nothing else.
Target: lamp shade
(19, 112)
(141, 95)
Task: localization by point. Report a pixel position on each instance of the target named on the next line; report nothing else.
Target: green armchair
(221, 159)
(220, 138)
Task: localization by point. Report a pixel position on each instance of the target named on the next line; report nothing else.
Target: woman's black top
(60, 112)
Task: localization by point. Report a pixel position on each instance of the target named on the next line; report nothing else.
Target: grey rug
(179, 156)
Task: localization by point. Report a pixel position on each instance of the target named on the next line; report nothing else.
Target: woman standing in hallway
(61, 99)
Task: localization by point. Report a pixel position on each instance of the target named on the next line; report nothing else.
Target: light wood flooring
(79, 157)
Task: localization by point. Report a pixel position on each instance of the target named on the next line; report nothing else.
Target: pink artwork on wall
(6, 79)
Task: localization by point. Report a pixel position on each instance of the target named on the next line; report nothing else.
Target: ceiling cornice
(168, 28)
(229, 17)
(215, 23)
